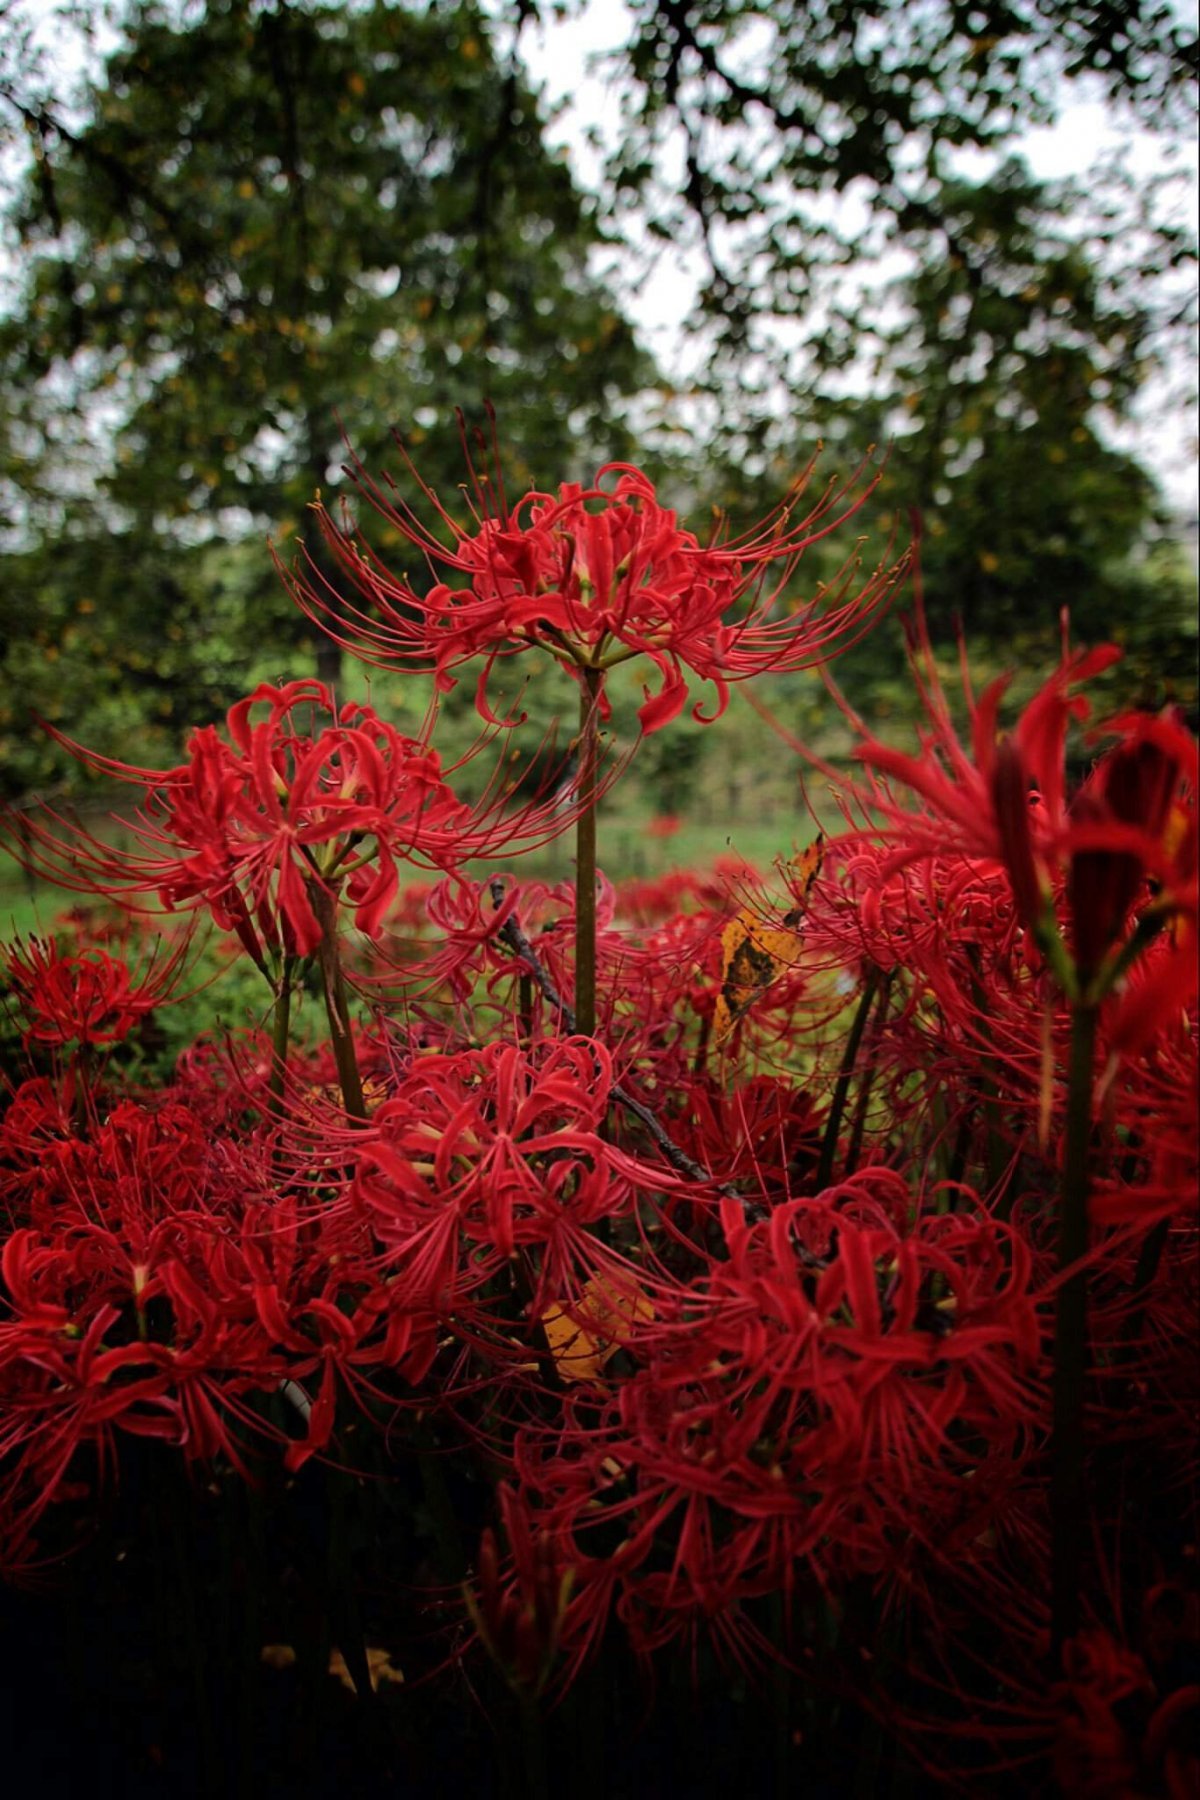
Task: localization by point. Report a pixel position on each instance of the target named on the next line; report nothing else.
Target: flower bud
(1139, 785)
(1010, 799)
(1102, 883)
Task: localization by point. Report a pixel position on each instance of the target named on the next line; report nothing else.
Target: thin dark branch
(128, 183)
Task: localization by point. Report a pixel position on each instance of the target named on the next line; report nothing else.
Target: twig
(519, 944)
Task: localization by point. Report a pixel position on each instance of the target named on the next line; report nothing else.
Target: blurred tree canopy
(987, 370)
(267, 218)
(775, 111)
(257, 216)
(876, 251)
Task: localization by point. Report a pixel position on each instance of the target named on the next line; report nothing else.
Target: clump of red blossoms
(797, 1272)
(87, 998)
(484, 1154)
(301, 805)
(157, 1286)
(597, 576)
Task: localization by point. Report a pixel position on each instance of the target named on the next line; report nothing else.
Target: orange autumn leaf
(582, 1341)
(578, 1356)
(754, 953)
(380, 1666)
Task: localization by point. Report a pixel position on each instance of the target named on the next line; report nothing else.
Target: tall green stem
(533, 1745)
(867, 1082)
(281, 1026)
(1070, 1337)
(585, 854)
(336, 1005)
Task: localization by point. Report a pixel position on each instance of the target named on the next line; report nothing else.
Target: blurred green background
(235, 231)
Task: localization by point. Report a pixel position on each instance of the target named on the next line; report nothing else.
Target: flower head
(1129, 831)
(300, 804)
(597, 576)
(86, 998)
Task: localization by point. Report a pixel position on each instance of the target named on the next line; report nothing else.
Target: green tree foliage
(268, 216)
(821, 148)
(780, 107)
(991, 369)
(259, 215)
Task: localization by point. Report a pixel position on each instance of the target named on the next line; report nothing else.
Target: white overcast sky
(564, 61)
(561, 59)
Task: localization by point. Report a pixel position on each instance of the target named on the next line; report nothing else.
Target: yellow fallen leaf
(583, 1341)
(578, 1356)
(379, 1664)
(755, 953)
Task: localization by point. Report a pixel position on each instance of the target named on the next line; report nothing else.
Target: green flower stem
(1049, 941)
(865, 1086)
(837, 1105)
(85, 1069)
(585, 854)
(281, 1027)
(533, 1746)
(1070, 1338)
(336, 1005)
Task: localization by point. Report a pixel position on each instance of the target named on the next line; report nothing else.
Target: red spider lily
(1158, 995)
(978, 804)
(980, 1015)
(466, 958)
(484, 1153)
(658, 898)
(35, 1126)
(461, 945)
(836, 1393)
(1114, 1725)
(766, 1130)
(267, 828)
(597, 576)
(1132, 823)
(1113, 1732)
(970, 1009)
(1147, 1360)
(161, 1287)
(88, 998)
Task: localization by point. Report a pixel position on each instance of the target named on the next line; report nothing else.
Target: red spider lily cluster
(854, 1337)
(302, 804)
(597, 576)
(158, 1289)
(90, 997)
